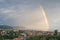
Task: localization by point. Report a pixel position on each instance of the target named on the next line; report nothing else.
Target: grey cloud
(25, 12)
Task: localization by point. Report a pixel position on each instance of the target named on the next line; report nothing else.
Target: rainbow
(45, 17)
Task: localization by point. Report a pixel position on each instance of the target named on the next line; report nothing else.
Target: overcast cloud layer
(27, 13)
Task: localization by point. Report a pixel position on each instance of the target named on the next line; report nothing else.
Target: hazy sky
(28, 13)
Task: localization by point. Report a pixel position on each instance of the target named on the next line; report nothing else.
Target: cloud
(54, 14)
(26, 17)
(1, 0)
(28, 14)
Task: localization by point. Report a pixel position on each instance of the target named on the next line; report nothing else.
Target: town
(29, 35)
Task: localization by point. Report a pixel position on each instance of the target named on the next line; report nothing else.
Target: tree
(56, 32)
(34, 38)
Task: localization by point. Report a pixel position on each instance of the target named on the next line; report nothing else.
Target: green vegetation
(9, 35)
(34, 38)
(55, 36)
(44, 38)
(12, 34)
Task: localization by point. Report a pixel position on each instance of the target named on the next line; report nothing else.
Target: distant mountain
(5, 27)
(19, 27)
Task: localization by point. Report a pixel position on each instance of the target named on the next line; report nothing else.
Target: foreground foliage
(44, 37)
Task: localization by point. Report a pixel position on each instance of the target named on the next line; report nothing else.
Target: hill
(5, 27)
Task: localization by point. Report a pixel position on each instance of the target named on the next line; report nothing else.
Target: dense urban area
(29, 35)
(11, 33)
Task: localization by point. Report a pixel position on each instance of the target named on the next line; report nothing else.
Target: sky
(27, 13)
